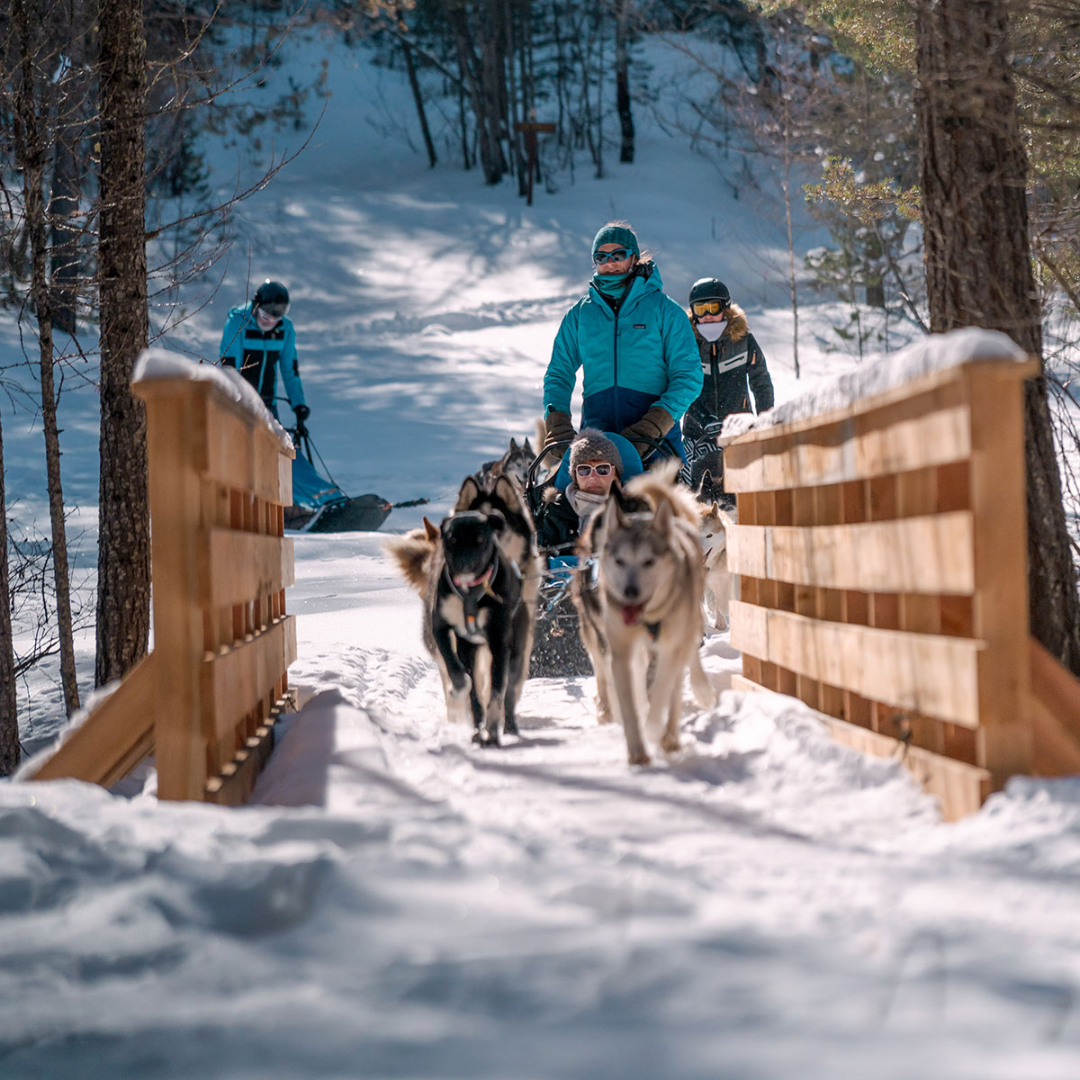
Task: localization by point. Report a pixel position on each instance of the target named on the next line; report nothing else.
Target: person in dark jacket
(736, 377)
(258, 340)
(595, 464)
(639, 366)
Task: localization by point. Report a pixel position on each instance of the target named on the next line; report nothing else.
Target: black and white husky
(478, 576)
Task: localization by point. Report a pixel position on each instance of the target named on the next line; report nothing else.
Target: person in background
(258, 340)
(639, 364)
(736, 377)
(595, 464)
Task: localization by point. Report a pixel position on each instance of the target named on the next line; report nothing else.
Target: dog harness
(470, 591)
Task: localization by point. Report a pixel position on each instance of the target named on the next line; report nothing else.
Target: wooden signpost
(530, 130)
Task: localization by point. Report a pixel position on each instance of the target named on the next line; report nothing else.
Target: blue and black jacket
(257, 355)
(636, 354)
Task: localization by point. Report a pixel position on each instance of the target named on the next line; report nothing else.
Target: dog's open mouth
(631, 614)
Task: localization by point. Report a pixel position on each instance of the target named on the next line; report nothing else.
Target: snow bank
(155, 364)
(936, 352)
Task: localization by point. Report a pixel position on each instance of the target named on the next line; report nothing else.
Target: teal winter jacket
(642, 355)
(259, 354)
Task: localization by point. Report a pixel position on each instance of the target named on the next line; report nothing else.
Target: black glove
(559, 428)
(302, 413)
(654, 425)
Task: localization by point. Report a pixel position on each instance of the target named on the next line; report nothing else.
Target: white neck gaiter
(711, 331)
(584, 502)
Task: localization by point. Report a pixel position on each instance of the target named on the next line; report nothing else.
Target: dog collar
(483, 581)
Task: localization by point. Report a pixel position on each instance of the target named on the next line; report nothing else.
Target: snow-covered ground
(399, 903)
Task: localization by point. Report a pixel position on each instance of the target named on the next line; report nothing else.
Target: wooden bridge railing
(205, 700)
(882, 561)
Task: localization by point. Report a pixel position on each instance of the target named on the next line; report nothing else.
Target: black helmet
(709, 288)
(273, 298)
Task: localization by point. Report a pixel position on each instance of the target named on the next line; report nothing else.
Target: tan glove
(655, 424)
(558, 428)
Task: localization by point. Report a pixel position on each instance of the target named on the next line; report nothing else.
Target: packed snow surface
(762, 905)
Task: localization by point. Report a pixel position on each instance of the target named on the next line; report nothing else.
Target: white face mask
(711, 331)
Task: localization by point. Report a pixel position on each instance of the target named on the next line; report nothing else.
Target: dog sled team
(631, 509)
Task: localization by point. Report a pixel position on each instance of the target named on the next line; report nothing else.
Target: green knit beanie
(616, 234)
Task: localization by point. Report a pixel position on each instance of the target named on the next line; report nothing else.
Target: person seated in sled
(594, 465)
(735, 374)
(639, 360)
(258, 340)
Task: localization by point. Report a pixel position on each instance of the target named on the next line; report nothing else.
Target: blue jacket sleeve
(682, 360)
(561, 374)
(232, 340)
(290, 368)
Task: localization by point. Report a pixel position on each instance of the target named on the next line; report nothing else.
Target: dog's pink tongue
(631, 614)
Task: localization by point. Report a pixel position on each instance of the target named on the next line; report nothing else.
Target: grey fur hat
(593, 445)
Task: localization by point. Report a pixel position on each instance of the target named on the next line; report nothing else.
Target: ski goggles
(274, 310)
(611, 256)
(587, 470)
(708, 307)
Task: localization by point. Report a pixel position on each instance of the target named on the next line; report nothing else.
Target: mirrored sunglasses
(587, 470)
(611, 256)
(708, 307)
(274, 310)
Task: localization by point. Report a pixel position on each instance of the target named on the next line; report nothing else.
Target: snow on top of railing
(161, 364)
(935, 352)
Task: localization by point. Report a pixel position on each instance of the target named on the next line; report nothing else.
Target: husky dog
(715, 523)
(514, 463)
(645, 608)
(475, 624)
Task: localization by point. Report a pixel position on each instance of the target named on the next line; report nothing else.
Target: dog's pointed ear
(528, 447)
(662, 520)
(508, 491)
(469, 493)
(716, 510)
(444, 526)
(612, 516)
(513, 446)
(431, 531)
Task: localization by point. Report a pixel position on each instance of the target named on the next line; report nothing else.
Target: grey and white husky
(641, 618)
(715, 522)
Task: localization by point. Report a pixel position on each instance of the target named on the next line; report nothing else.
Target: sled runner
(319, 505)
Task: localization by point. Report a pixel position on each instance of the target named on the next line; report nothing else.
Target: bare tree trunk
(978, 265)
(63, 206)
(9, 701)
(30, 152)
(123, 608)
(792, 280)
(491, 156)
(418, 98)
(622, 80)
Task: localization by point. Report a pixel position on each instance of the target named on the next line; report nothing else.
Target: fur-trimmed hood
(736, 329)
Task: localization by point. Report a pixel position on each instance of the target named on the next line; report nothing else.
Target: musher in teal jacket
(258, 340)
(636, 348)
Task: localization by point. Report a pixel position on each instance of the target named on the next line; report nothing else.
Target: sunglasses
(274, 310)
(588, 470)
(708, 307)
(611, 256)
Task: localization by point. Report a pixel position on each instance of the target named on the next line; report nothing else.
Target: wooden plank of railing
(177, 423)
(246, 565)
(932, 554)
(237, 679)
(1000, 608)
(919, 425)
(114, 738)
(929, 674)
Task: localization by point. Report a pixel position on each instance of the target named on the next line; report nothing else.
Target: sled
(319, 505)
(558, 650)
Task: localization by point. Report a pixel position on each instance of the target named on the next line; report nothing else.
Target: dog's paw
(640, 758)
(486, 739)
(603, 713)
(670, 743)
(461, 691)
(511, 727)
